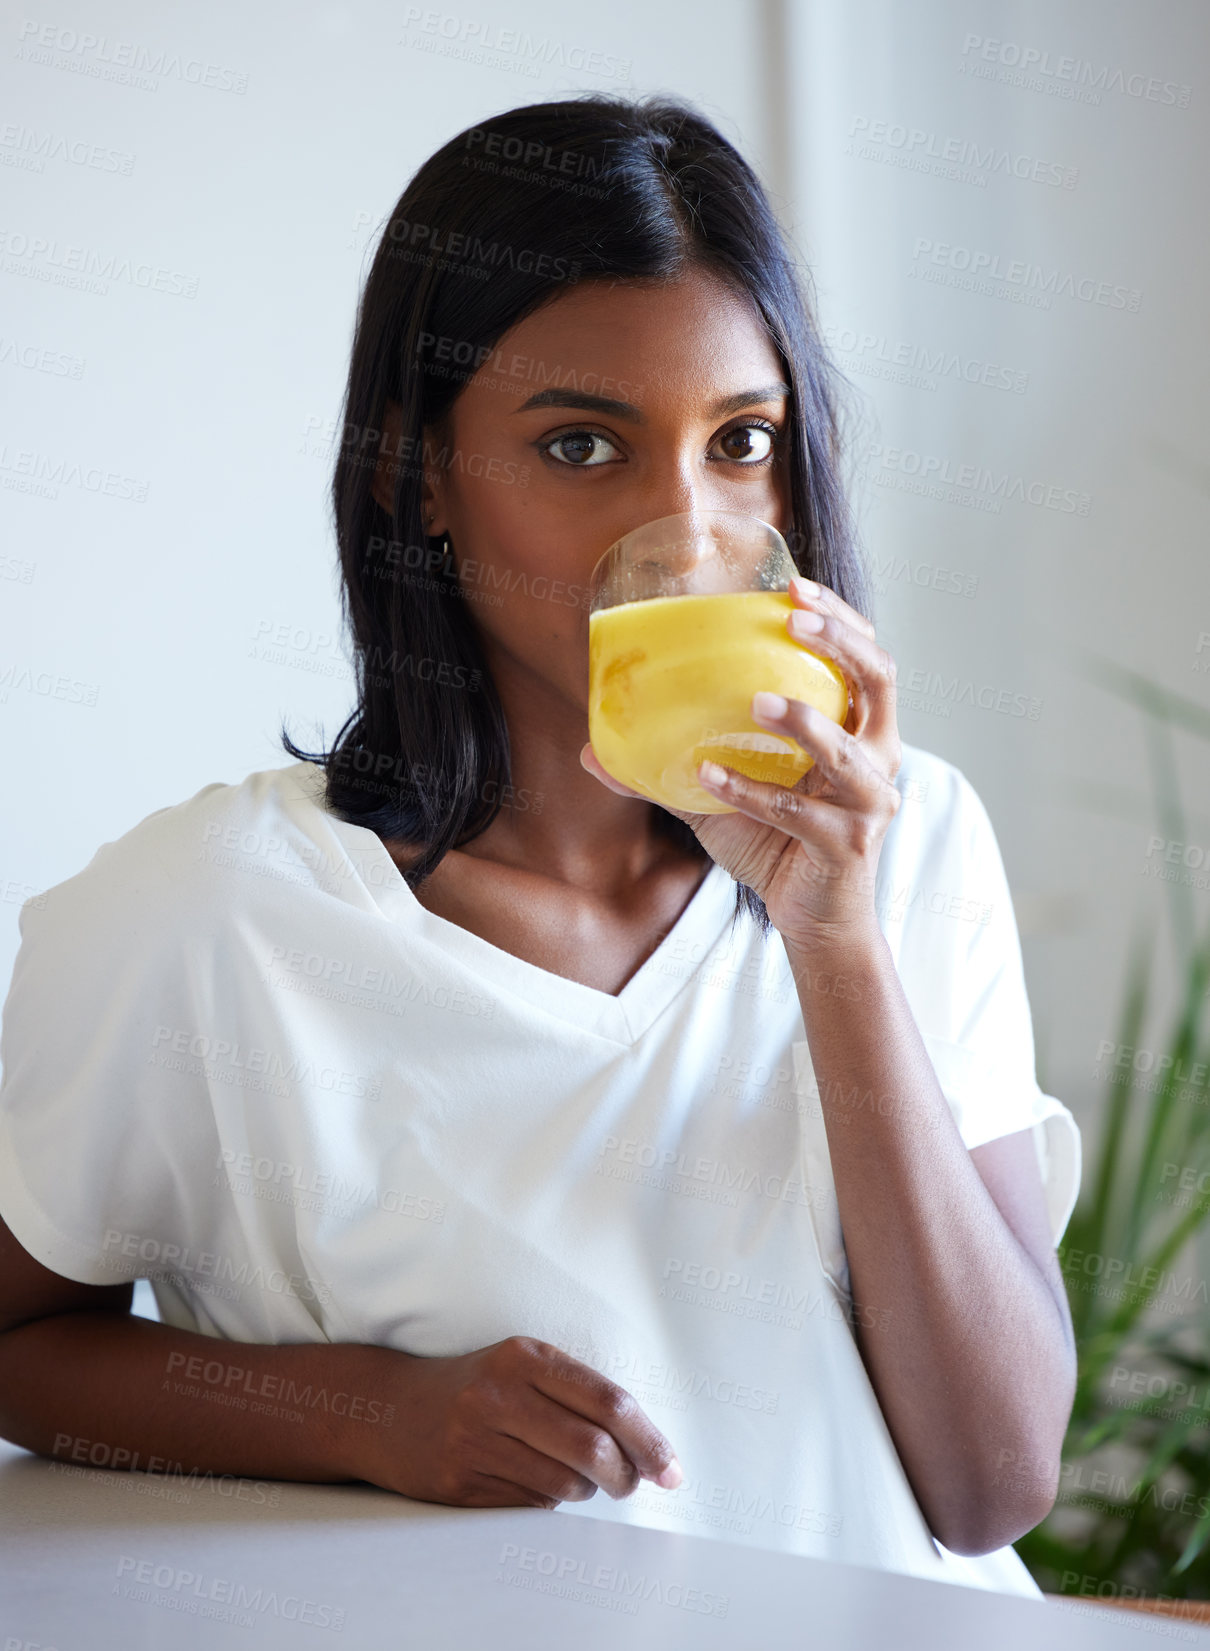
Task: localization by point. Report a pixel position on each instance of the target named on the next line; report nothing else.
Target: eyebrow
(627, 410)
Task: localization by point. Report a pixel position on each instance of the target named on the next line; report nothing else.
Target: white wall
(248, 164)
(149, 615)
(911, 127)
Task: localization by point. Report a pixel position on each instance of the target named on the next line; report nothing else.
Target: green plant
(1134, 1505)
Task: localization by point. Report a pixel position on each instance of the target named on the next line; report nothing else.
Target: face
(614, 405)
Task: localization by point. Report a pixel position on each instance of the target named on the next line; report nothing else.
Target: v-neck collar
(623, 1017)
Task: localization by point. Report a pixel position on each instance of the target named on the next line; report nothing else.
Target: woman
(529, 1138)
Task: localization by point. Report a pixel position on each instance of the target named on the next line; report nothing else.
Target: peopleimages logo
(577, 1579)
(475, 41)
(918, 365)
(1034, 284)
(935, 475)
(1070, 75)
(965, 160)
(86, 267)
(123, 61)
(223, 1599)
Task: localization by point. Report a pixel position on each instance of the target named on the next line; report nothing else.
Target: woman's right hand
(517, 1424)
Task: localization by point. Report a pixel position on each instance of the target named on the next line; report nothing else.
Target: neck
(561, 822)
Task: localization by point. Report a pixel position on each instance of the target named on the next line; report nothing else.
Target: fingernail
(769, 705)
(806, 621)
(804, 587)
(712, 773)
(671, 1476)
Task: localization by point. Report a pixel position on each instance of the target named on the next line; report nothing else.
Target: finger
(809, 590)
(580, 1388)
(517, 1461)
(839, 758)
(492, 1492)
(584, 1450)
(590, 761)
(867, 667)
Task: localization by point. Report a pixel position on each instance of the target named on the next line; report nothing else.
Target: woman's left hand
(811, 851)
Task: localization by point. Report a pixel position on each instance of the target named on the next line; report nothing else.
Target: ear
(386, 469)
(383, 484)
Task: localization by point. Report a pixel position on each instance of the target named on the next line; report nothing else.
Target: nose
(673, 483)
(675, 486)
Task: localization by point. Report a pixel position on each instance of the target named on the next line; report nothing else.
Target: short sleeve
(90, 1154)
(946, 908)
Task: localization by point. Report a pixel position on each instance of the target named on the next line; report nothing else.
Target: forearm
(968, 1350)
(127, 1392)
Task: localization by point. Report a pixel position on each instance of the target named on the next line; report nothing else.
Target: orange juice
(670, 683)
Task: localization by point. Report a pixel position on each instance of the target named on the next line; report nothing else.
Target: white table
(94, 1561)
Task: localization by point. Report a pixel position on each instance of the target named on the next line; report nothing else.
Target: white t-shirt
(241, 1059)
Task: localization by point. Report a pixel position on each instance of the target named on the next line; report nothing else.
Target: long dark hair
(493, 225)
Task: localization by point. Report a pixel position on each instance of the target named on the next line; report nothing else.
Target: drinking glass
(687, 620)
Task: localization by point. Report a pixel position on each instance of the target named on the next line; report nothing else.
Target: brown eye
(581, 449)
(746, 444)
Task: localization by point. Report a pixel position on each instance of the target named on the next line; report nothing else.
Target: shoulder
(942, 831)
(936, 787)
(936, 794)
(191, 860)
